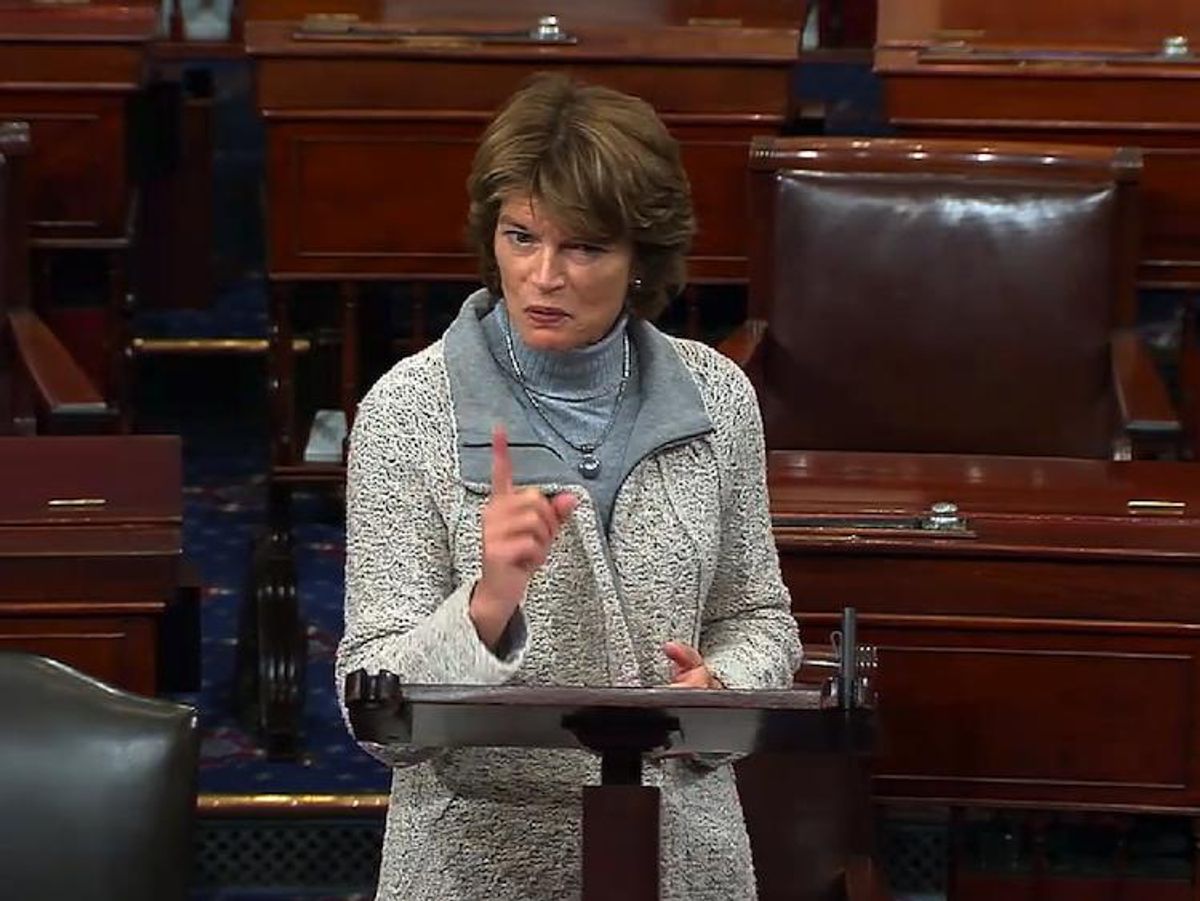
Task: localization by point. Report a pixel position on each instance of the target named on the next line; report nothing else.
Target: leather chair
(98, 787)
(947, 296)
(49, 390)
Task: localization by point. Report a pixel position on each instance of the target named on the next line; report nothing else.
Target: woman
(558, 494)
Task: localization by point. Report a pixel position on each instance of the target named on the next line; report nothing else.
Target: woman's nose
(547, 270)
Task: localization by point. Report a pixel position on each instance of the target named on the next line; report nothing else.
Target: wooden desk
(369, 142)
(70, 72)
(1047, 657)
(82, 581)
(1075, 72)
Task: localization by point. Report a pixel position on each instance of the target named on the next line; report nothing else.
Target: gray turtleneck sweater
(576, 391)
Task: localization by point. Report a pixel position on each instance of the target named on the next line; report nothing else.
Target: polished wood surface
(1044, 655)
(1084, 73)
(715, 13)
(1100, 23)
(90, 544)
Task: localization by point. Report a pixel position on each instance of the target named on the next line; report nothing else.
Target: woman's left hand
(688, 669)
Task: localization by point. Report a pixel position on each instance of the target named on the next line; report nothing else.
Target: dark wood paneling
(344, 199)
(956, 581)
(1054, 715)
(979, 710)
(369, 144)
(120, 651)
(1127, 710)
(78, 171)
(389, 197)
(1040, 658)
(70, 65)
(347, 85)
(88, 582)
(69, 72)
(522, 13)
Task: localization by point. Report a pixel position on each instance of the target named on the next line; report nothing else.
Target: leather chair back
(941, 296)
(98, 787)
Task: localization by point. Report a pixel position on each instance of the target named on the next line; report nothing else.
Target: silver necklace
(589, 463)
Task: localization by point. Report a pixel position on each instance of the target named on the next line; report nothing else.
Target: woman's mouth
(545, 316)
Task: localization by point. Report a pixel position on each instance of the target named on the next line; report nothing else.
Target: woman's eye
(518, 237)
(589, 250)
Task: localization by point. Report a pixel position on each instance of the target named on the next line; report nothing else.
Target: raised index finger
(501, 462)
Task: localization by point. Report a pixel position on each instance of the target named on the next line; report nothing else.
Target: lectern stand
(620, 816)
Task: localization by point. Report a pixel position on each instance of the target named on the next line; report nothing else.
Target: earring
(635, 283)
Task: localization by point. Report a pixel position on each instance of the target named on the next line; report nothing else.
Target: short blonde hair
(605, 168)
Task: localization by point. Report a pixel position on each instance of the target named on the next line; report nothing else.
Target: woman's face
(562, 292)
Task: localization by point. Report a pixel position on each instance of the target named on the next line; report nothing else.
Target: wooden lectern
(621, 815)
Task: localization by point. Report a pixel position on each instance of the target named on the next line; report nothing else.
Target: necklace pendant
(589, 466)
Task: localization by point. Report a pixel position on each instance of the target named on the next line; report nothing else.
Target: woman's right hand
(518, 528)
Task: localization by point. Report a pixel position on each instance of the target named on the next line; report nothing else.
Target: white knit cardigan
(689, 556)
